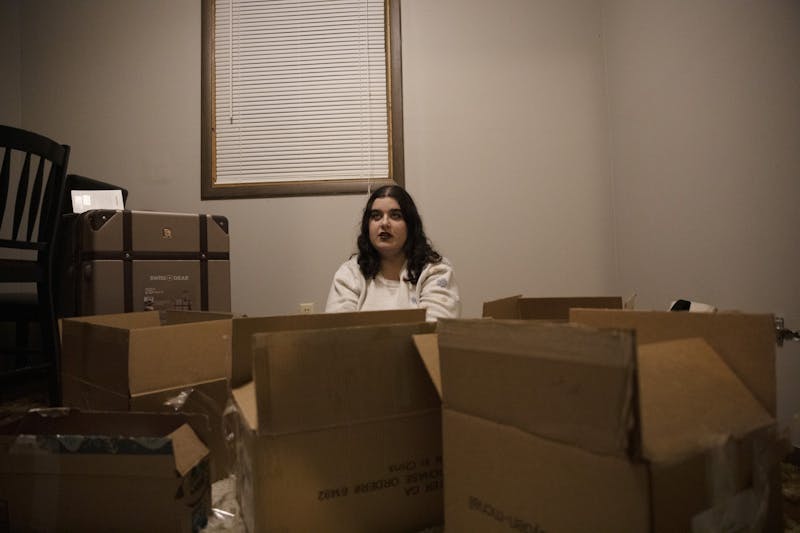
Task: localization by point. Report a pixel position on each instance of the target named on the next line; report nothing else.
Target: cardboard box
(746, 342)
(169, 361)
(62, 470)
(519, 308)
(339, 431)
(208, 399)
(133, 353)
(557, 427)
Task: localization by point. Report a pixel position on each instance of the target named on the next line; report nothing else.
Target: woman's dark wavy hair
(418, 249)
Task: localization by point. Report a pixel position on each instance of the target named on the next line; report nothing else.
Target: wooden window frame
(210, 190)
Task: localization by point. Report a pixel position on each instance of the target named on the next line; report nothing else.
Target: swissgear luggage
(122, 261)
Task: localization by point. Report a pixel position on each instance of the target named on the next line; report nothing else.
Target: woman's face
(387, 227)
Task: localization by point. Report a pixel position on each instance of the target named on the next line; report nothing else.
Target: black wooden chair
(32, 181)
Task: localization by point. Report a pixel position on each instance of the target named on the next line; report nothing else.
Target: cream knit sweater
(436, 291)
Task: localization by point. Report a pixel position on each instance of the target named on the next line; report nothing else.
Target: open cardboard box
(554, 309)
(64, 470)
(208, 399)
(557, 427)
(168, 361)
(340, 428)
(133, 353)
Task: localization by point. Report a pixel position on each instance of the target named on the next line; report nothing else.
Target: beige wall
(495, 150)
(518, 114)
(704, 102)
(10, 74)
(506, 143)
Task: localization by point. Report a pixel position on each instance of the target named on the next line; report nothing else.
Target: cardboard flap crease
(428, 348)
(691, 400)
(245, 400)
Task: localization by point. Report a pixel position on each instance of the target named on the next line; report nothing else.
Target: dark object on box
(122, 261)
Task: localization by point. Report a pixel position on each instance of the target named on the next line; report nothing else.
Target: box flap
(564, 383)
(171, 355)
(244, 328)
(63, 420)
(690, 400)
(165, 439)
(505, 308)
(428, 349)
(517, 307)
(96, 352)
(558, 308)
(172, 316)
(245, 398)
(746, 342)
(142, 319)
(311, 379)
(188, 449)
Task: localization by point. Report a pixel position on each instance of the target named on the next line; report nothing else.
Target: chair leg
(51, 343)
(22, 344)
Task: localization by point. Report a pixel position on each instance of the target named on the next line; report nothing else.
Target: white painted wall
(704, 102)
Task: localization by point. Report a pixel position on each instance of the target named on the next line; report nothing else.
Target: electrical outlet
(307, 308)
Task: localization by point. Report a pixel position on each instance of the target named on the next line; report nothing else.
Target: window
(300, 97)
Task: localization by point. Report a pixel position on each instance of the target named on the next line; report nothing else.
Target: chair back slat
(35, 195)
(29, 203)
(5, 178)
(50, 204)
(22, 195)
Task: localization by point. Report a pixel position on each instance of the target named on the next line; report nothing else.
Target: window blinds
(301, 90)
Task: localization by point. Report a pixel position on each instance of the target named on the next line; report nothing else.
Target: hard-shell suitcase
(121, 261)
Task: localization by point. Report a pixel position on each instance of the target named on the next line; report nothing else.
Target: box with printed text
(339, 429)
(564, 427)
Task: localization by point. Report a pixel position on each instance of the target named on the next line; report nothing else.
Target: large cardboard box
(745, 341)
(339, 431)
(557, 427)
(557, 308)
(132, 353)
(62, 470)
(154, 361)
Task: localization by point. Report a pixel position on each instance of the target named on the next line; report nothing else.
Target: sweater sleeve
(346, 289)
(438, 292)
